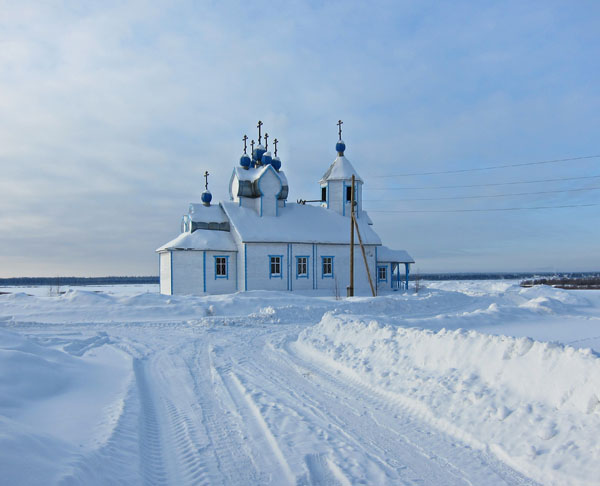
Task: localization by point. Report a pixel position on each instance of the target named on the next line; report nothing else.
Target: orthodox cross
(339, 124)
(244, 139)
(275, 143)
(206, 174)
(260, 124)
(266, 142)
(252, 146)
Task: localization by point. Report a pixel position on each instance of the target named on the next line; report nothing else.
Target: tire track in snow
(258, 428)
(386, 434)
(150, 444)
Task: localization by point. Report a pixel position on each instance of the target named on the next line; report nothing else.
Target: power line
(483, 185)
(457, 171)
(480, 210)
(479, 197)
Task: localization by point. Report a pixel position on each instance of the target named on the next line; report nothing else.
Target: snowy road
(237, 404)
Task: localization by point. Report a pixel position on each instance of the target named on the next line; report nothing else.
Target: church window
(274, 266)
(323, 194)
(302, 267)
(382, 274)
(221, 267)
(327, 267)
(348, 193)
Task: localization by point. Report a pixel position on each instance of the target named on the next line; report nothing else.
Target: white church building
(259, 241)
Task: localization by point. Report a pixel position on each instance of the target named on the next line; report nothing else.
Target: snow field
(115, 386)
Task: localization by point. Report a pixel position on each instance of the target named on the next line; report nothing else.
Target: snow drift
(535, 405)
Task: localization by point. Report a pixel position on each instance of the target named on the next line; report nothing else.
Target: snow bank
(55, 403)
(533, 404)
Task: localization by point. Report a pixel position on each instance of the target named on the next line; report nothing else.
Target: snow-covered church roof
(340, 169)
(199, 212)
(385, 254)
(201, 239)
(296, 223)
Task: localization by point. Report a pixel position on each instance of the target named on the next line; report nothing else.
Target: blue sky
(111, 112)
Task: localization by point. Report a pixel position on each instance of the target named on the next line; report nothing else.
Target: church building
(259, 241)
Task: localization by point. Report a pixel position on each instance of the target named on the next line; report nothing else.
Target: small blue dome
(340, 147)
(245, 161)
(276, 163)
(266, 158)
(258, 153)
(206, 197)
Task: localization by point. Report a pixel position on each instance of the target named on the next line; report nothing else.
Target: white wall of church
(187, 272)
(337, 283)
(194, 272)
(258, 259)
(218, 284)
(258, 275)
(165, 272)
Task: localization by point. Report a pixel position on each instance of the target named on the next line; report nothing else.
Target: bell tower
(336, 183)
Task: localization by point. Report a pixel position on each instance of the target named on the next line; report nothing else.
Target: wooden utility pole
(362, 248)
(351, 288)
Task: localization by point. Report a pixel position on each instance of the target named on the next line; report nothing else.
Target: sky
(110, 112)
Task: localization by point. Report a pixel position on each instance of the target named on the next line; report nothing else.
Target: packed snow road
(268, 388)
(236, 404)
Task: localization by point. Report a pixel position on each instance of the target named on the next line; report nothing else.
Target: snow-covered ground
(464, 383)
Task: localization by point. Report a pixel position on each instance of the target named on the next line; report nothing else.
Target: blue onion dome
(276, 163)
(206, 198)
(266, 158)
(340, 147)
(258, 152)
(245, 161)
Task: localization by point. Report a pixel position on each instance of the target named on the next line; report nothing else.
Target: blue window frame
(221, 266)
(382, 272)
(326, 267)
(302, 266)
(275, 266)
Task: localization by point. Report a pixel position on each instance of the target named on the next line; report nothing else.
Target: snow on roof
(341, 169)
(201, 240)
(199, 213)
(385, 254)
(296, 223)
(254, 173)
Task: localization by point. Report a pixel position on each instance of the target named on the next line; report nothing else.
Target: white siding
(296, 282)
(258, 266)
(221, 285)
(165, 272)
(341, 269)
(187, 272)
(192, 276)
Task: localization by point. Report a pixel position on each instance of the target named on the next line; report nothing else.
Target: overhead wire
(482, 196)
(478, 210)
(474, 169)
(484, 185)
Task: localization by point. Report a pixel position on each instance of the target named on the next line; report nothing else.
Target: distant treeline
(502, 276)
(565, 283)
(60, 281)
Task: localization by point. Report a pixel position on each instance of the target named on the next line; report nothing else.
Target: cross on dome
(260, 124)
(339, 124)
(275, 143)
(266, 141)
(245, 137)
(206, 174)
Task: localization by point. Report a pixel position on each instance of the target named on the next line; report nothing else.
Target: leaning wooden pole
(351, 287)
(362, 248)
